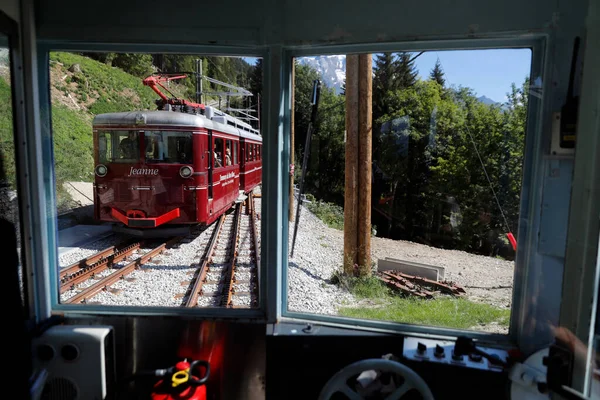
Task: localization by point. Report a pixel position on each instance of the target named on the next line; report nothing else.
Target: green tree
(325, 171)
(136, 64)
(437, 73)
(406, 70)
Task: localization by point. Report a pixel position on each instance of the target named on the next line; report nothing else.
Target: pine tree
(384, 81)
(407, 73)
(437, 73)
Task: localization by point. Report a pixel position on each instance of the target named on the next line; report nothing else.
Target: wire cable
(488, 179)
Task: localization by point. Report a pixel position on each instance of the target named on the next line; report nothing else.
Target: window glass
(9, 191)
(235, 152)
(118, 146)
(168, 147)
(446, 157)
(228, 153)
(136, 167)
(105, 148)
(218, 153)
(129, 146)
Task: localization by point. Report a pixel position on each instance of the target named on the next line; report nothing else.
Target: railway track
(105, 260)
(225, 276)
(89, 267)
(227, 273)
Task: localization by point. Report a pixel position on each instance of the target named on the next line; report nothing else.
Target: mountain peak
(331, 68)
(486, 100)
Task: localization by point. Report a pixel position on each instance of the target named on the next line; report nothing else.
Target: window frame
(530, 198)
(47, 291)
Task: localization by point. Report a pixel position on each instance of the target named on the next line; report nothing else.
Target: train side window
(218, 152)
(228, 153)
(235, 152)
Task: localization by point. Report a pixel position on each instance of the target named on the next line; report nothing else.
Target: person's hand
(574, 344)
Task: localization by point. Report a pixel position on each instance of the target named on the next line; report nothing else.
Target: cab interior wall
(270, 27)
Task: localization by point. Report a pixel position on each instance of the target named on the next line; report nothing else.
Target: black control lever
(465, 346)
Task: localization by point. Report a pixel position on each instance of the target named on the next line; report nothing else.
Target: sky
(488, 72)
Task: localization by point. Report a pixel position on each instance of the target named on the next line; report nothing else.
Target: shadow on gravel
(77, 216)
(307, 272)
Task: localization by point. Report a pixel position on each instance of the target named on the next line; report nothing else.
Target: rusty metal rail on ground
(196, 290)
(256, 250)
(114, 277)
(228, 288)
(419, 286)
(85, 269)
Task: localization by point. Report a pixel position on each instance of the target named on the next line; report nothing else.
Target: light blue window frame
(47, 271)
(531, 189)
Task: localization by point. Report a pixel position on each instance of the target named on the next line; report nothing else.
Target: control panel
(443, 352)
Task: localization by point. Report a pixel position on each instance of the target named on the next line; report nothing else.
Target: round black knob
(439, 351)
(45, 352)
(421, 348)
(457, 357)
(69, 352)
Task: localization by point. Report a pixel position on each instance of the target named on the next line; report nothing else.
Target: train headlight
(186, 172)
(101, 170)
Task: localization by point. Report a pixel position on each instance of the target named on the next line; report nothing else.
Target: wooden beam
(365, 127)
(351, 170)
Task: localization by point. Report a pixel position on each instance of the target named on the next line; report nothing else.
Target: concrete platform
(80, 235)
(411, 268)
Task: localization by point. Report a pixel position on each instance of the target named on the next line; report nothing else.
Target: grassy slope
(380, 303)
(109, 89)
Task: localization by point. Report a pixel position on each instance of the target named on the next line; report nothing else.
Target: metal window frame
(47, 271)
(530, 194)
(582, 263)
(12, 30)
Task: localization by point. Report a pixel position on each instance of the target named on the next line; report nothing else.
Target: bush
(331, 214)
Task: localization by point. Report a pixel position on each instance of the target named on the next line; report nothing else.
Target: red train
(182, 165)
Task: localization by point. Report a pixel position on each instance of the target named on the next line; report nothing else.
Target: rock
(76, 68)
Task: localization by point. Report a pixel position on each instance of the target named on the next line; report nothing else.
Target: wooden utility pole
(351, 170)
(357, 195)
(365, 132)
(291, 209)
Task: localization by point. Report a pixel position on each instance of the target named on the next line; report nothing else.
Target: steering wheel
(338, 382)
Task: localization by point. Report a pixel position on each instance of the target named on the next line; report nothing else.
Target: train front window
(439, 200)
(135, 177)
(168, 147)
(118, 146)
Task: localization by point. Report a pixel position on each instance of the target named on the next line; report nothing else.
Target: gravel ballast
(317, 256)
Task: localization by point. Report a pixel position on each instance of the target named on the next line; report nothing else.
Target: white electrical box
(79, 362)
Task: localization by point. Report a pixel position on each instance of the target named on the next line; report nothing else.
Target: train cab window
(105, 144)
(442, 198)
(132, 166)
(118, 146)
(128, 146)
(168, 147)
